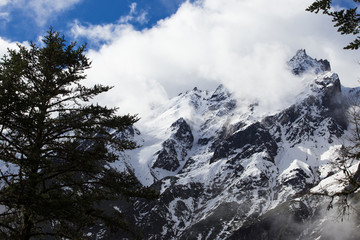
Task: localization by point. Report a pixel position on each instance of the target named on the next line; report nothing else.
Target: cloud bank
(6, 44)
(243, 44)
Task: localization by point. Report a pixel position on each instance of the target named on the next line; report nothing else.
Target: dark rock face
(167, 157)
(326, 108)
(253, 139)
(220, 94)
(298, 181)
(238, 179)
(175, 148)
(221, 100)
(156, 216)
(284, 222)
(221, 213)
(183, 133)
(333, 100)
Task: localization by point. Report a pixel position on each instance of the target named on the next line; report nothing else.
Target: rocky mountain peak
(225, 173)
(220, 94)
(302, 63)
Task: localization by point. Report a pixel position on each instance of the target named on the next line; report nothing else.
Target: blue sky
(26, 20)
(22, 20)
(151, 50)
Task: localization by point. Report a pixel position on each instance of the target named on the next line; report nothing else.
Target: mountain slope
(223, 167)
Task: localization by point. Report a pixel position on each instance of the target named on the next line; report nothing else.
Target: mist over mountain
(228, 168)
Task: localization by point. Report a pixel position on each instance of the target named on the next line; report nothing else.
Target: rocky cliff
(227, 170)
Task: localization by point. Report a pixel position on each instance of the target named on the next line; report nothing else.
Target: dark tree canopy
(347, 21)
(56, 148)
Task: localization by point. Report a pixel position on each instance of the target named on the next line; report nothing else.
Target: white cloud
(4, 3)
(5, 16)
(3, 46)
(133, 16)
(108, 32)
(242, 44)
(40, 10)
(4, 11)
(6, 44)
(45, 9)
(99, 33)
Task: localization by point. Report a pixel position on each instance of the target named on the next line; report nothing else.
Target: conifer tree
(56, 148)
(347, 20)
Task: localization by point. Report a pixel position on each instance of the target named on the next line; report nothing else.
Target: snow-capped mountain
(228, 170)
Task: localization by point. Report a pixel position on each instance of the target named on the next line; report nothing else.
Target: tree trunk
(26, 228)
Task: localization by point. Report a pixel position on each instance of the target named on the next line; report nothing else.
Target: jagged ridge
(219, 168)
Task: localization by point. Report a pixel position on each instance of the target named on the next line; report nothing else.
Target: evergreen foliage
(346, 20)
(56, 148)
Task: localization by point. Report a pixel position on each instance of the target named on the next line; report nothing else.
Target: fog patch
(333, 223)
